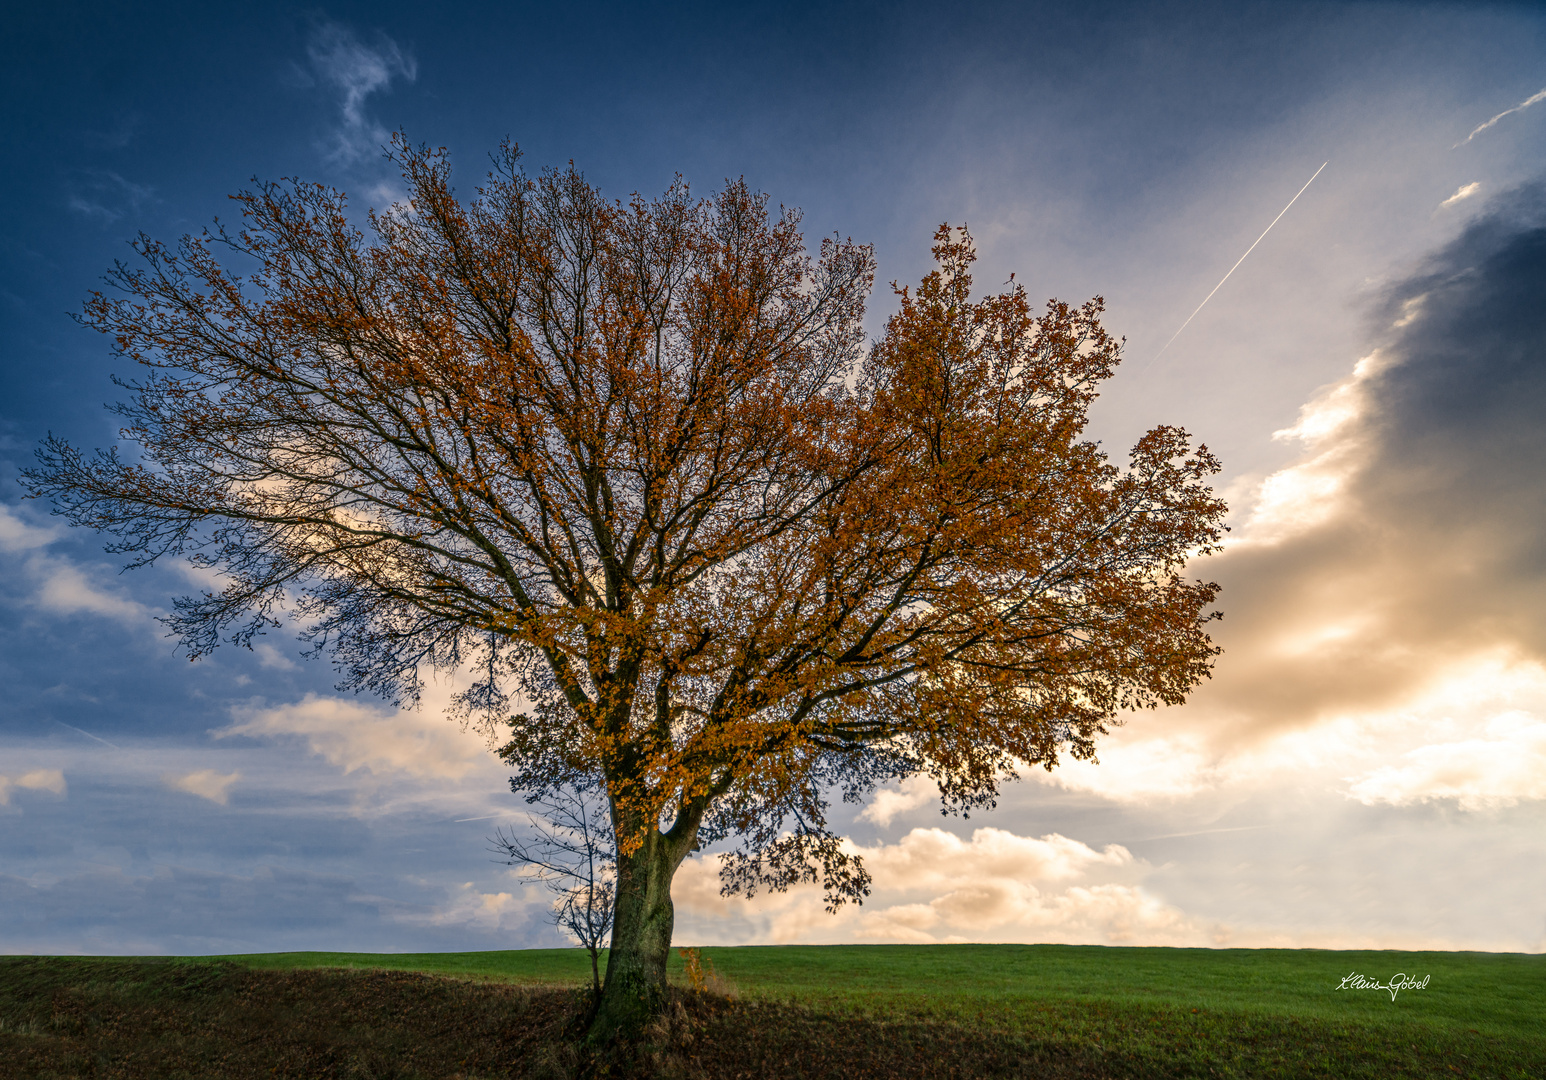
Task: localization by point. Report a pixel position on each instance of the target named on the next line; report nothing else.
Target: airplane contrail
(1232, 269)
(1525, 104)
(88, 734)
(1202, 832)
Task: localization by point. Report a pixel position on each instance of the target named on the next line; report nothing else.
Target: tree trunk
(642, 920)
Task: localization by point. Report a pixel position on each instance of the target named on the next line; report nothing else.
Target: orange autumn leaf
(636, 462)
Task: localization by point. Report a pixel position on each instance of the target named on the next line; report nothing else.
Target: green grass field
(1503, 993)
(854, 1011)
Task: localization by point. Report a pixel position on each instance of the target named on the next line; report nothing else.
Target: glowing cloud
(1405, 541)
(490, 911)
(1505, 767)
(1464, 193)
(1139, 770)
(933, 886)
(205, 783)
(887, 803)
(37, 780)
(356, 736)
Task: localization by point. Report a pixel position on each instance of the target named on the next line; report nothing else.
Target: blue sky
(1363, 770)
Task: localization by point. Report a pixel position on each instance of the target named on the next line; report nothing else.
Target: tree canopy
(636, 463)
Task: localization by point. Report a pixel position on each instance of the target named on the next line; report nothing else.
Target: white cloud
(935, 858)
(1100, 914)
(889, 802)
(356, 70)
(1310, 493)
(492, 911)
(1469, 731)
(270, 657)
(18, 535)
(1502, 768)
(205, 783)
(353, 736)
(43, 780)
(37, 780)
(64, 588)
(1465, 192)
(933, 886)
(59, 585)
(1140, 769)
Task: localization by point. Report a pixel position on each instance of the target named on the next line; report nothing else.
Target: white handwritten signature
(1399, 981)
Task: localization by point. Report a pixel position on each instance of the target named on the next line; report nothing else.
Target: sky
(1365, 769)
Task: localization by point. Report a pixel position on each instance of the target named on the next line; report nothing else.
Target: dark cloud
(116, 856)
(181, 910)
(185, 910)
(1461, 425)
(1425, 542)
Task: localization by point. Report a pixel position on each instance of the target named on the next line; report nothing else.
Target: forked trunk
(642, 919)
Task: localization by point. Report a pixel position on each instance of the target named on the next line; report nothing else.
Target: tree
(573, 851)
(636, 461)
